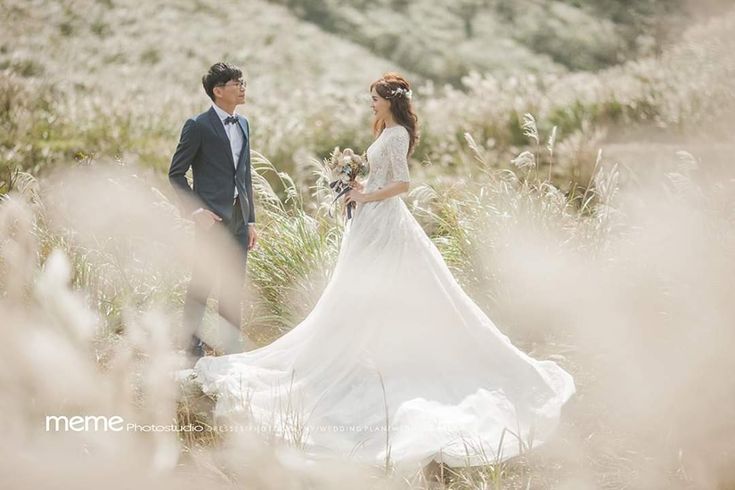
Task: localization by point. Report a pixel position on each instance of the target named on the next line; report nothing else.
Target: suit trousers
(219, 258)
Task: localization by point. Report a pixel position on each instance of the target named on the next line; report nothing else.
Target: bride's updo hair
(397, 90)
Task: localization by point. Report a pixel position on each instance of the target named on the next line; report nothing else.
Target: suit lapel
(244, 143)
(216, 123)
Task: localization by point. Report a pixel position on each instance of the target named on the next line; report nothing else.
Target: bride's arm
(390, 190)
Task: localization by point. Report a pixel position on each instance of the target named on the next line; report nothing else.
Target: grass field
(586, 203)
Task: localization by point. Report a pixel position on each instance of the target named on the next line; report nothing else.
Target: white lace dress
(393, 345)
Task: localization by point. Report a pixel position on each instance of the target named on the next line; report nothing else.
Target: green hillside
(446, 39)
(113, 80)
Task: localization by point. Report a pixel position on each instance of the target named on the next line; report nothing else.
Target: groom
(216, 146)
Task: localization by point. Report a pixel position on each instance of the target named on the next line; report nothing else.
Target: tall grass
(505, 233)
(618, 268)
(60, 115)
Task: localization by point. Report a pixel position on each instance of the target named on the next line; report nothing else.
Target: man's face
(232, 92)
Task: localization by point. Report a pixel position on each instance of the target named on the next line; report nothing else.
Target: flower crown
(400, 91)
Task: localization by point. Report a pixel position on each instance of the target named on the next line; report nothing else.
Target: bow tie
(231, 120)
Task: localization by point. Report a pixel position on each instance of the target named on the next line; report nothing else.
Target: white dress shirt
(234, 133)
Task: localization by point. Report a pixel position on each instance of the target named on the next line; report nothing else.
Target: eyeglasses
(241, 83)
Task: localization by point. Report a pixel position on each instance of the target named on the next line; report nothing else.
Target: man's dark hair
(219, 74)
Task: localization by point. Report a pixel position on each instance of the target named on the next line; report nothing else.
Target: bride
(395, 364)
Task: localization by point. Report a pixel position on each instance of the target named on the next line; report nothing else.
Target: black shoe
(196, 348)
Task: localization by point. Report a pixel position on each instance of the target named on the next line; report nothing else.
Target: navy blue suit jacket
(205, 148)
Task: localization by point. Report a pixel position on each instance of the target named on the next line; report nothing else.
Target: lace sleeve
(398, 155)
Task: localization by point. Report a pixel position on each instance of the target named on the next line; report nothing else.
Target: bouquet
(344, 167)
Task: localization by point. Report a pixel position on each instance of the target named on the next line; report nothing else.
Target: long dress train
(395, 361)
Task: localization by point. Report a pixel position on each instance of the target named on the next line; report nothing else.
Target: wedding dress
(395, 362)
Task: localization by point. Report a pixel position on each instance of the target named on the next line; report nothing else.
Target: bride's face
(380, 106)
